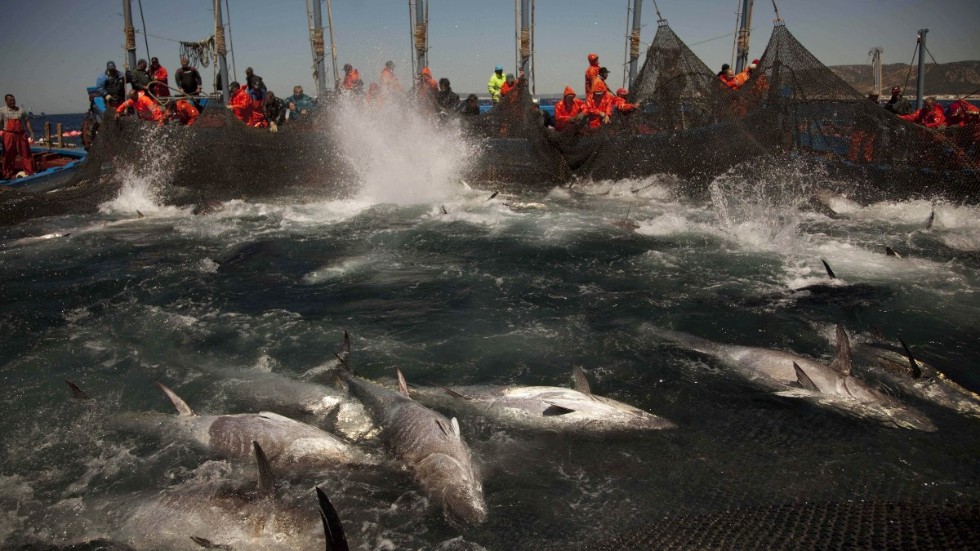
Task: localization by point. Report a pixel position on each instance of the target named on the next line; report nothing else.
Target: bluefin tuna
(288, 442)
(551, 408)
(793, 375)
(428, 443)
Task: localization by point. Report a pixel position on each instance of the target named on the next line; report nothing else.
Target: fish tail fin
(182, 408)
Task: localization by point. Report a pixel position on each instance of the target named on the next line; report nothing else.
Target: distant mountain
(957, 78)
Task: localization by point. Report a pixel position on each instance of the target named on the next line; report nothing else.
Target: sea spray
(401, 154)
(142, 184)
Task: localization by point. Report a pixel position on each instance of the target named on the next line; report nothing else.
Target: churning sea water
(455, 288)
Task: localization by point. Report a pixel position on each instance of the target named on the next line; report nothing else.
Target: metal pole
(635, 41)
(333, 45)
(533, 81)
(320, 73)
(219, 30)
(517, 35)
(920, 86)
(525, 34)
(130, 35)
(742, 59)
(420, 32)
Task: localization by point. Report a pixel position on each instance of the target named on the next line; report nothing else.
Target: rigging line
(163, 38)
(909, 74)
(738, 23)
(712, 39)
(146, 41)
(231, 42)
(626, 53)
(930, 56)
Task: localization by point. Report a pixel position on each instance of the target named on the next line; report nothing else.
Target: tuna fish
(801, 377)
(549, 408)
(428, 443)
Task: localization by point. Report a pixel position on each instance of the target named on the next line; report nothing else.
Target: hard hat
(593, 57)
(498, 68)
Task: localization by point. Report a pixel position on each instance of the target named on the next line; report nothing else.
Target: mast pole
(744, 28)
(219, 46)
(517, 35)
(333, 45)
(635, 42)
(920, 86)
(130, 35)
(421, 32)
(319, 57)
(876, 65)
(525, 39)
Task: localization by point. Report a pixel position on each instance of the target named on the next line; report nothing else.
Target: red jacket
(594, 110)
(145, 108)
(591, 73)
(185, 112)
(930, 117)
(160, 90)
(961, 112)
(564, 112)
(349, 79)
(241, 105)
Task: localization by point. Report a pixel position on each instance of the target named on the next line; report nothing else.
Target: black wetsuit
(447, 100)
(115, 85)
(274, 110)
(188, 80)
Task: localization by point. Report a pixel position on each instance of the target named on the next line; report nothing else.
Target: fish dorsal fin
(267, 484)
(842, 361)
(450, 429)
(581, 382)
(402, 383)
(931, 219)
(345, 349)
(455, 394)
(492, 195)
(891, 252)
(455, 425)
(443, 207)
(208, 544)
(554, 410)
(830, 273)
(140, 215)
(804, 379)
(914, 365)
(76, 392)
(182, 408)
(333, 530)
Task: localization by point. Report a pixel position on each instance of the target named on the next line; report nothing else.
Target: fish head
(455, 485)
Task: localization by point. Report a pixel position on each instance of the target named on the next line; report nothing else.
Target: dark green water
(484, 295)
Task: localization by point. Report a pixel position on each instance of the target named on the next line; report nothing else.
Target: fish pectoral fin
(402, 383)
(913, 365)
(455, 394)
(208, 544)
(842, 361)
(76, 392)
(182, 408)
(450, 429)
(554, 410)
(581, 382)
(332, 528)
(804, 379)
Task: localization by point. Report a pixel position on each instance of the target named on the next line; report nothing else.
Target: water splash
(143, 183)
(401, 155)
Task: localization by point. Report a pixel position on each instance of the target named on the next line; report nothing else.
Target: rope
(909, 74)
(635, 44)
(318, 46)
(130, 38)
(219, 41)
(145, 40)
(525, 43)
(420, 37)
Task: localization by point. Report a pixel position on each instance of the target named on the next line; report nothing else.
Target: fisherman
(599, 106)
(350, 77)
(873, 96)
(620, 103)
(139, 77)
(183, 112)
(898, 104)
(15, 125)
(389, 82)
(569, 112)
(591, 73)
(509, 85)
(274, 110)
(745, 75)
(603, 74)
(187, 78)
(240, 103)
(426, 88)
(111, 84)
(961, 113)
(496, 82)
(471, 107)
(446, 99)
(300, 105)
(158, 73)
(373, 96)
(257, 94)
(724, 70)
(931, 115)
(251, 77)
(728, 78)
(144, 106)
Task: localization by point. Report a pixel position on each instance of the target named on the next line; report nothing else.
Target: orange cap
(569, 91)
(593, 57)
(622, 92)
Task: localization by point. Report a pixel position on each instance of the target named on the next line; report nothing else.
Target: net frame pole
(524, 41)
(130, 33)
(319, 61)
(744, 28)
(635, 42)
(920, 86)
(222, 61)
(421, 35)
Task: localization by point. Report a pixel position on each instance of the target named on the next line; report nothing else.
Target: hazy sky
(52, 49)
